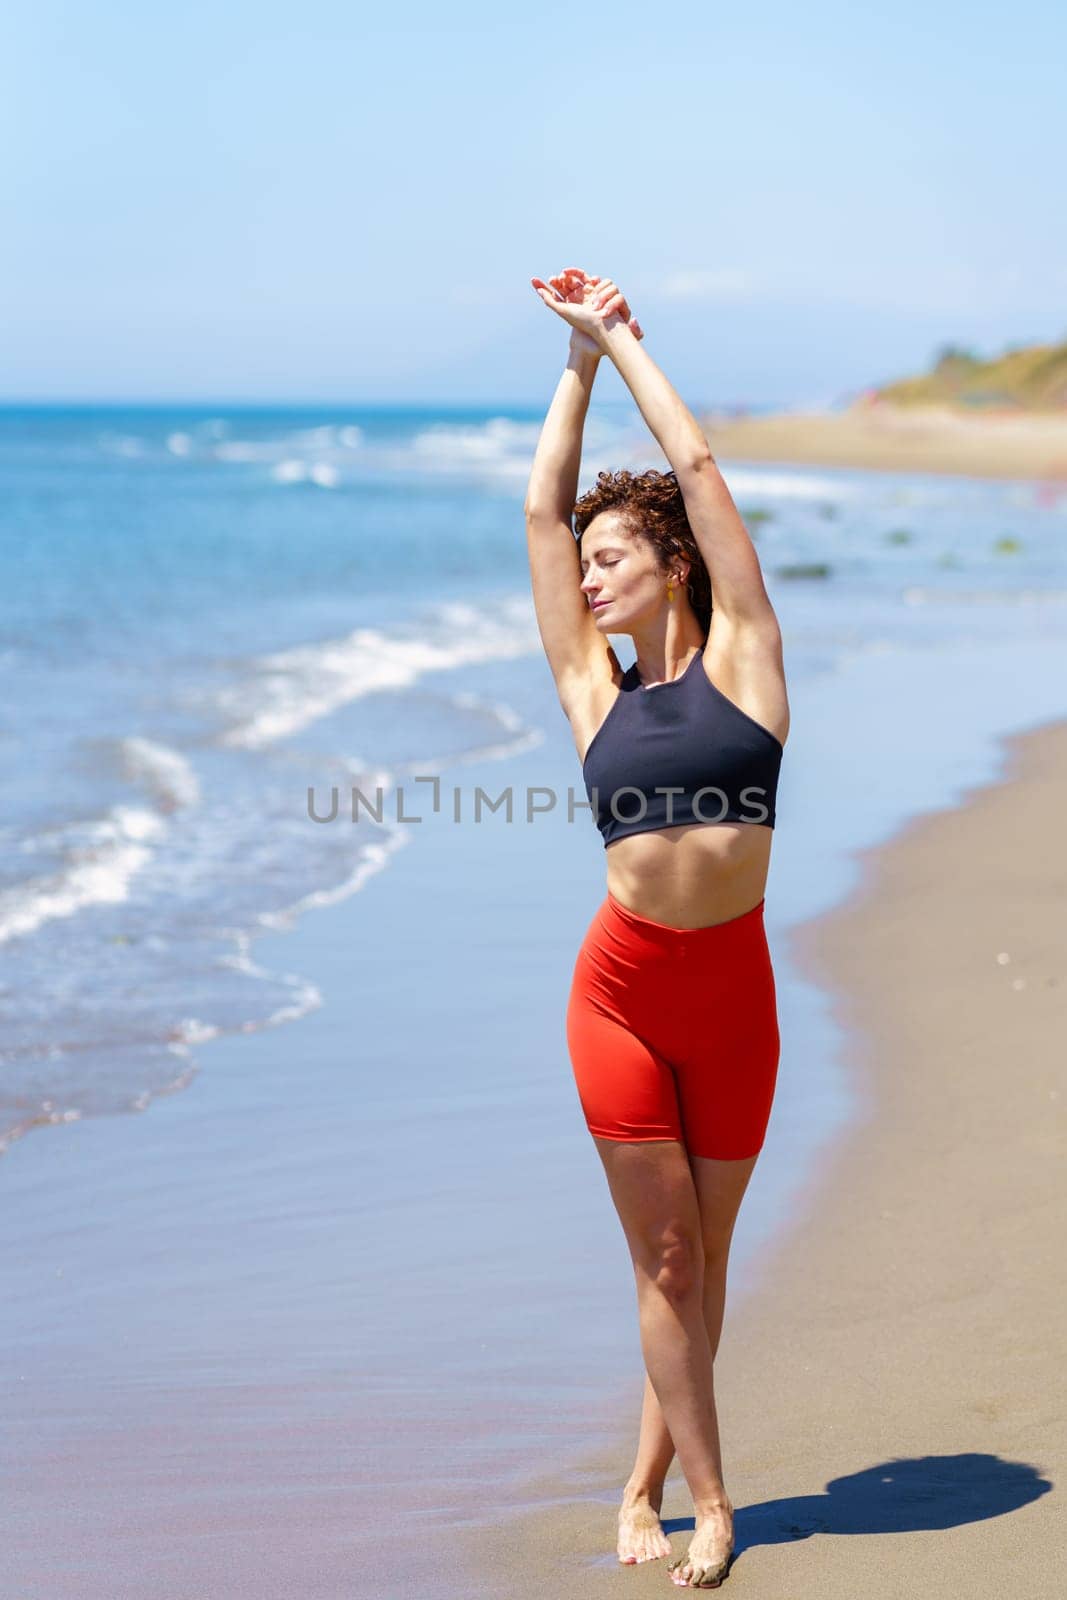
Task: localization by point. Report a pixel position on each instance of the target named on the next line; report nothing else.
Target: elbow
(536, 511)
(698, 461)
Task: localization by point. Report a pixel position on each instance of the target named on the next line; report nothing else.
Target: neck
(660, 660)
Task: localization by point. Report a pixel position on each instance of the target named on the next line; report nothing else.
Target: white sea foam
(179, 444)
(501, 450)
(499, 446)
(375, 857)
(291, 689)
(306, 995)
(163, 771)
(190, 1031)
(294, 470)
(494, 452)
(243, 450)
(785, 485)
(496, 751)
(98, 870)
(521, 736)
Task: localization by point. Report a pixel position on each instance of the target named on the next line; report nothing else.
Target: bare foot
(707, 1561)
(641, 1538)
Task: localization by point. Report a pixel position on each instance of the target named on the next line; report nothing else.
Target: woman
(671, 1022)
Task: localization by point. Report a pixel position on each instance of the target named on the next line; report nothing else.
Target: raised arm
(553, 486)
(572, 642)
(575, 647)
(737, 585)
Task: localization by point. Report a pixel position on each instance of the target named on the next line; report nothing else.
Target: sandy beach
(891, 1394)
(902, 439)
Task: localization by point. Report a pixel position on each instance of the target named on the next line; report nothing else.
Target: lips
(597, 604)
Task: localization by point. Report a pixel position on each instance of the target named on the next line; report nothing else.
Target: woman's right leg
(629, 1095)
(655, 1196)
(720, 1187)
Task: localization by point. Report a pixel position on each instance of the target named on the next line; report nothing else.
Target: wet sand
(891, 1390)
(890, 438)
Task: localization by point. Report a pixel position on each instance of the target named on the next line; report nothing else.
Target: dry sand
(891, 1393)
(890, 438)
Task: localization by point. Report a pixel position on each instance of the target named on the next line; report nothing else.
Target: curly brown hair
(654, 510)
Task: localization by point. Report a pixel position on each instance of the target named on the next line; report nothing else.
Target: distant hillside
(1033, 378)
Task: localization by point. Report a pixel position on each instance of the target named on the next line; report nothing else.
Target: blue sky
(309, 203)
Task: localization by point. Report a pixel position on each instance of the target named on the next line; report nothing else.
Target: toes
(683, 1572)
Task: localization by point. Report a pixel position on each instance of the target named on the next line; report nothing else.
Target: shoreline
(885, 438)
(887, 1388)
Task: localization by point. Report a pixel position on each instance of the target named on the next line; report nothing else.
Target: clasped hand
(591, 305)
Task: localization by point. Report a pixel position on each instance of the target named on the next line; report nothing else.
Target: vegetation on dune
(1027, 378)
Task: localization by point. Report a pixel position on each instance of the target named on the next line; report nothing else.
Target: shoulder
(745, 662)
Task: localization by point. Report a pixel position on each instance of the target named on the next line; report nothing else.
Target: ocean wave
(321, 473)
(777, 485)
(499, 447)
(285, 692)
(166, 774)
(103, 856)
(374, 859)
(496, 451)
(243, 451)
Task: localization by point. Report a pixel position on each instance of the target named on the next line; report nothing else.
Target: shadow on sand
(899, 1496)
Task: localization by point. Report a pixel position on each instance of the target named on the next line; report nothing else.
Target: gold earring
(670, 593)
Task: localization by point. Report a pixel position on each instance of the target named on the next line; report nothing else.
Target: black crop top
(678, 753)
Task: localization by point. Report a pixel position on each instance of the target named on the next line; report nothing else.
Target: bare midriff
(691, 876)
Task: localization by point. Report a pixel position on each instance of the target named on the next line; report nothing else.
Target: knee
(716, 1253)
(674, 1264)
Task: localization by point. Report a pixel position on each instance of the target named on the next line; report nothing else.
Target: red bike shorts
(673, 1032)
